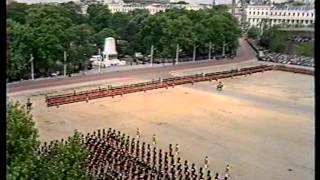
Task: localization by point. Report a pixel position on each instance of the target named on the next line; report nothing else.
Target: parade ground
(262, 125)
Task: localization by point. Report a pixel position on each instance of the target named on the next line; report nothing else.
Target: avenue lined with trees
(45, 32)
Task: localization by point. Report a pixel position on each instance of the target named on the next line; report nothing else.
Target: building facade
(256, 15)
(152, 8)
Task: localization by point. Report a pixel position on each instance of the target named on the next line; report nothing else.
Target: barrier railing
(58, 100)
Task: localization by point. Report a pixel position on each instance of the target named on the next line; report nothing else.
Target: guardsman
(177, 149)
(29, 104)
(138, 133)
(216, 177)
(170, 149)
(227, 168)
(206, 162)
(154, 139)
(209, 175)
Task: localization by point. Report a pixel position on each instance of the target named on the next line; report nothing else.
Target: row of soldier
(116, 156)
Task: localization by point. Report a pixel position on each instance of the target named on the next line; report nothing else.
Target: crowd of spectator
(300, 39)
(288, 59)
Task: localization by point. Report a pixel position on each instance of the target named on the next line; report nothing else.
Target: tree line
(46, 31)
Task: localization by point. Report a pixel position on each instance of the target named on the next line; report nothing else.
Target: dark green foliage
(21, 142)
(274, 39)
(19, 49)
(65, 161)
(305, 50)
(253, 33)
(278, 42)
(46, 31)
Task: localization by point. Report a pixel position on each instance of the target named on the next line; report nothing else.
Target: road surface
(245, 52)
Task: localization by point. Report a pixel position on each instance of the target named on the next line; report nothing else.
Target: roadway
(245, 52)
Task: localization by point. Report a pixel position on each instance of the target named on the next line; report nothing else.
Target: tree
(305, 50)
(19, 49)
(18, 11)
(253, 32)
(21, 142)
(64, 161)
(104, 33)
(99, 16)
(278, 42)
(273, 39)
(49, 36)
(72, 11)
(119, 22)
(82, 44)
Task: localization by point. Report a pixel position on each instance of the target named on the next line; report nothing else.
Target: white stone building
(152, 8)
(272, 15)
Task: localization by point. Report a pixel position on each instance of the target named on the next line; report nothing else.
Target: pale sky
(190, 1)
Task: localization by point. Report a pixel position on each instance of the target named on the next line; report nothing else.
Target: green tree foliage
(47, 31)
(64, 161)
(21, 142)
(253, 32)
(104, 33)
(99, 16)
(278, 42)
(305, 50)
(273, 39)
(82, 44)
(48, 36)
(18, 11)
(19, 49)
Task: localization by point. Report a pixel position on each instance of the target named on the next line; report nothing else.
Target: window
(266, 13)
(288, 14)
(307, 14)
(302, 14)
(258, 13)
(261, 13)
(254, 13)
(293, 14)
(298, 14)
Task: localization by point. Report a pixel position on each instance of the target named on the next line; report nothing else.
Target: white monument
(109, 55)
(109, 52)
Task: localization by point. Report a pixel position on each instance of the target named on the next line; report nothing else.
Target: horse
(219, 87)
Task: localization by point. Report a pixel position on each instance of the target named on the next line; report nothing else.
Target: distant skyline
(190, 1)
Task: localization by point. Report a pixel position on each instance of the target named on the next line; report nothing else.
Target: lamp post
(151, 58)
(65, 63)
(177, 54)
(210, 51)
(194, 53)
(32, 66)
(223, 49)
(99, 52)
(84, 64)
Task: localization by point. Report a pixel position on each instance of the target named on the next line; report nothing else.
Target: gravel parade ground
(262, 125)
